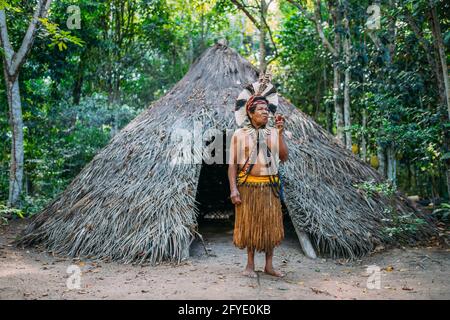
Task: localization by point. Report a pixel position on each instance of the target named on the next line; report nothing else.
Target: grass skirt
(258, 219)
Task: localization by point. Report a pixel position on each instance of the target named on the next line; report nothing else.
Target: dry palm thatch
(130, 204)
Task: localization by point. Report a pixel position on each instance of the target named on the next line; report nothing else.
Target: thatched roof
(131, 204)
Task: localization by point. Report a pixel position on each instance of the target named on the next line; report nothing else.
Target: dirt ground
(405, 273)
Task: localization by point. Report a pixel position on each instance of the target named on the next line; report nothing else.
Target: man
(255, 152)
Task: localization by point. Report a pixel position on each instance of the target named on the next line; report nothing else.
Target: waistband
(257, 179)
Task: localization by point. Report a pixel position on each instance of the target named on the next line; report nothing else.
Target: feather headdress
(262, 89)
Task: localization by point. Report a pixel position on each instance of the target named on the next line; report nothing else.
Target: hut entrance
(213, 194)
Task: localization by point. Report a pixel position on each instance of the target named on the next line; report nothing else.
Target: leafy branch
(59, 37)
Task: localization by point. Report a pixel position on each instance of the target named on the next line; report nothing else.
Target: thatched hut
(131, 203)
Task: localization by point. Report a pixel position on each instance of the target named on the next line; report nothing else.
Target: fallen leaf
(347, 271)
(407, 288)
(317, 291)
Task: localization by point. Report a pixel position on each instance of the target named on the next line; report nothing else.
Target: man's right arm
(232, 171)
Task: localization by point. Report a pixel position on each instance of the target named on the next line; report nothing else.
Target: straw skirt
(258, 219)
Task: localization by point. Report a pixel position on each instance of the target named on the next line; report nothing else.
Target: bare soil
(405, 273)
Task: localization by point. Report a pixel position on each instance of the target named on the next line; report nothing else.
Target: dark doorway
(213, 192)
(216, 212)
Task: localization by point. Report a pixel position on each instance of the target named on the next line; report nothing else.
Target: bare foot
(273, 272)
(249, 272)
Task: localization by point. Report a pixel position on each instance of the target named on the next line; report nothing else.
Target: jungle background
(373, 73)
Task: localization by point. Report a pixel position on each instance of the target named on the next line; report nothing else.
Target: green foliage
(69, 140)
(442, 212)
(394, 86)
(396, 226)
(80, 86)
(372, 188)
(7, 213)
(401, 225)
(9, 5)
(59, 37)
(303, 65)
(32, 205)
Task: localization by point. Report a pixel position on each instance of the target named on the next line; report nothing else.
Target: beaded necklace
(256, 134)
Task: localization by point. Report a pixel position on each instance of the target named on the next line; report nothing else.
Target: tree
(12, 62)
(436, 58)
(257, 13)
(335, 51)
(386, 154)
(439, 45)
(347, 78)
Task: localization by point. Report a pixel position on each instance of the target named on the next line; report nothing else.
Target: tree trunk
(432, 57)
(347, 120)
(328, 110)
(76, 93)
(440, 83)
(447, 175)
(317, 103)
(347, 111)
(329, 118)
(262, 38)
(412, 178)
(388, 51)
(381, 160)
(363, 136)
(391, 165)
(12, 62)
(338, 109)
(115, 126)
(337, 104)
(16, 123)
(190, 52)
